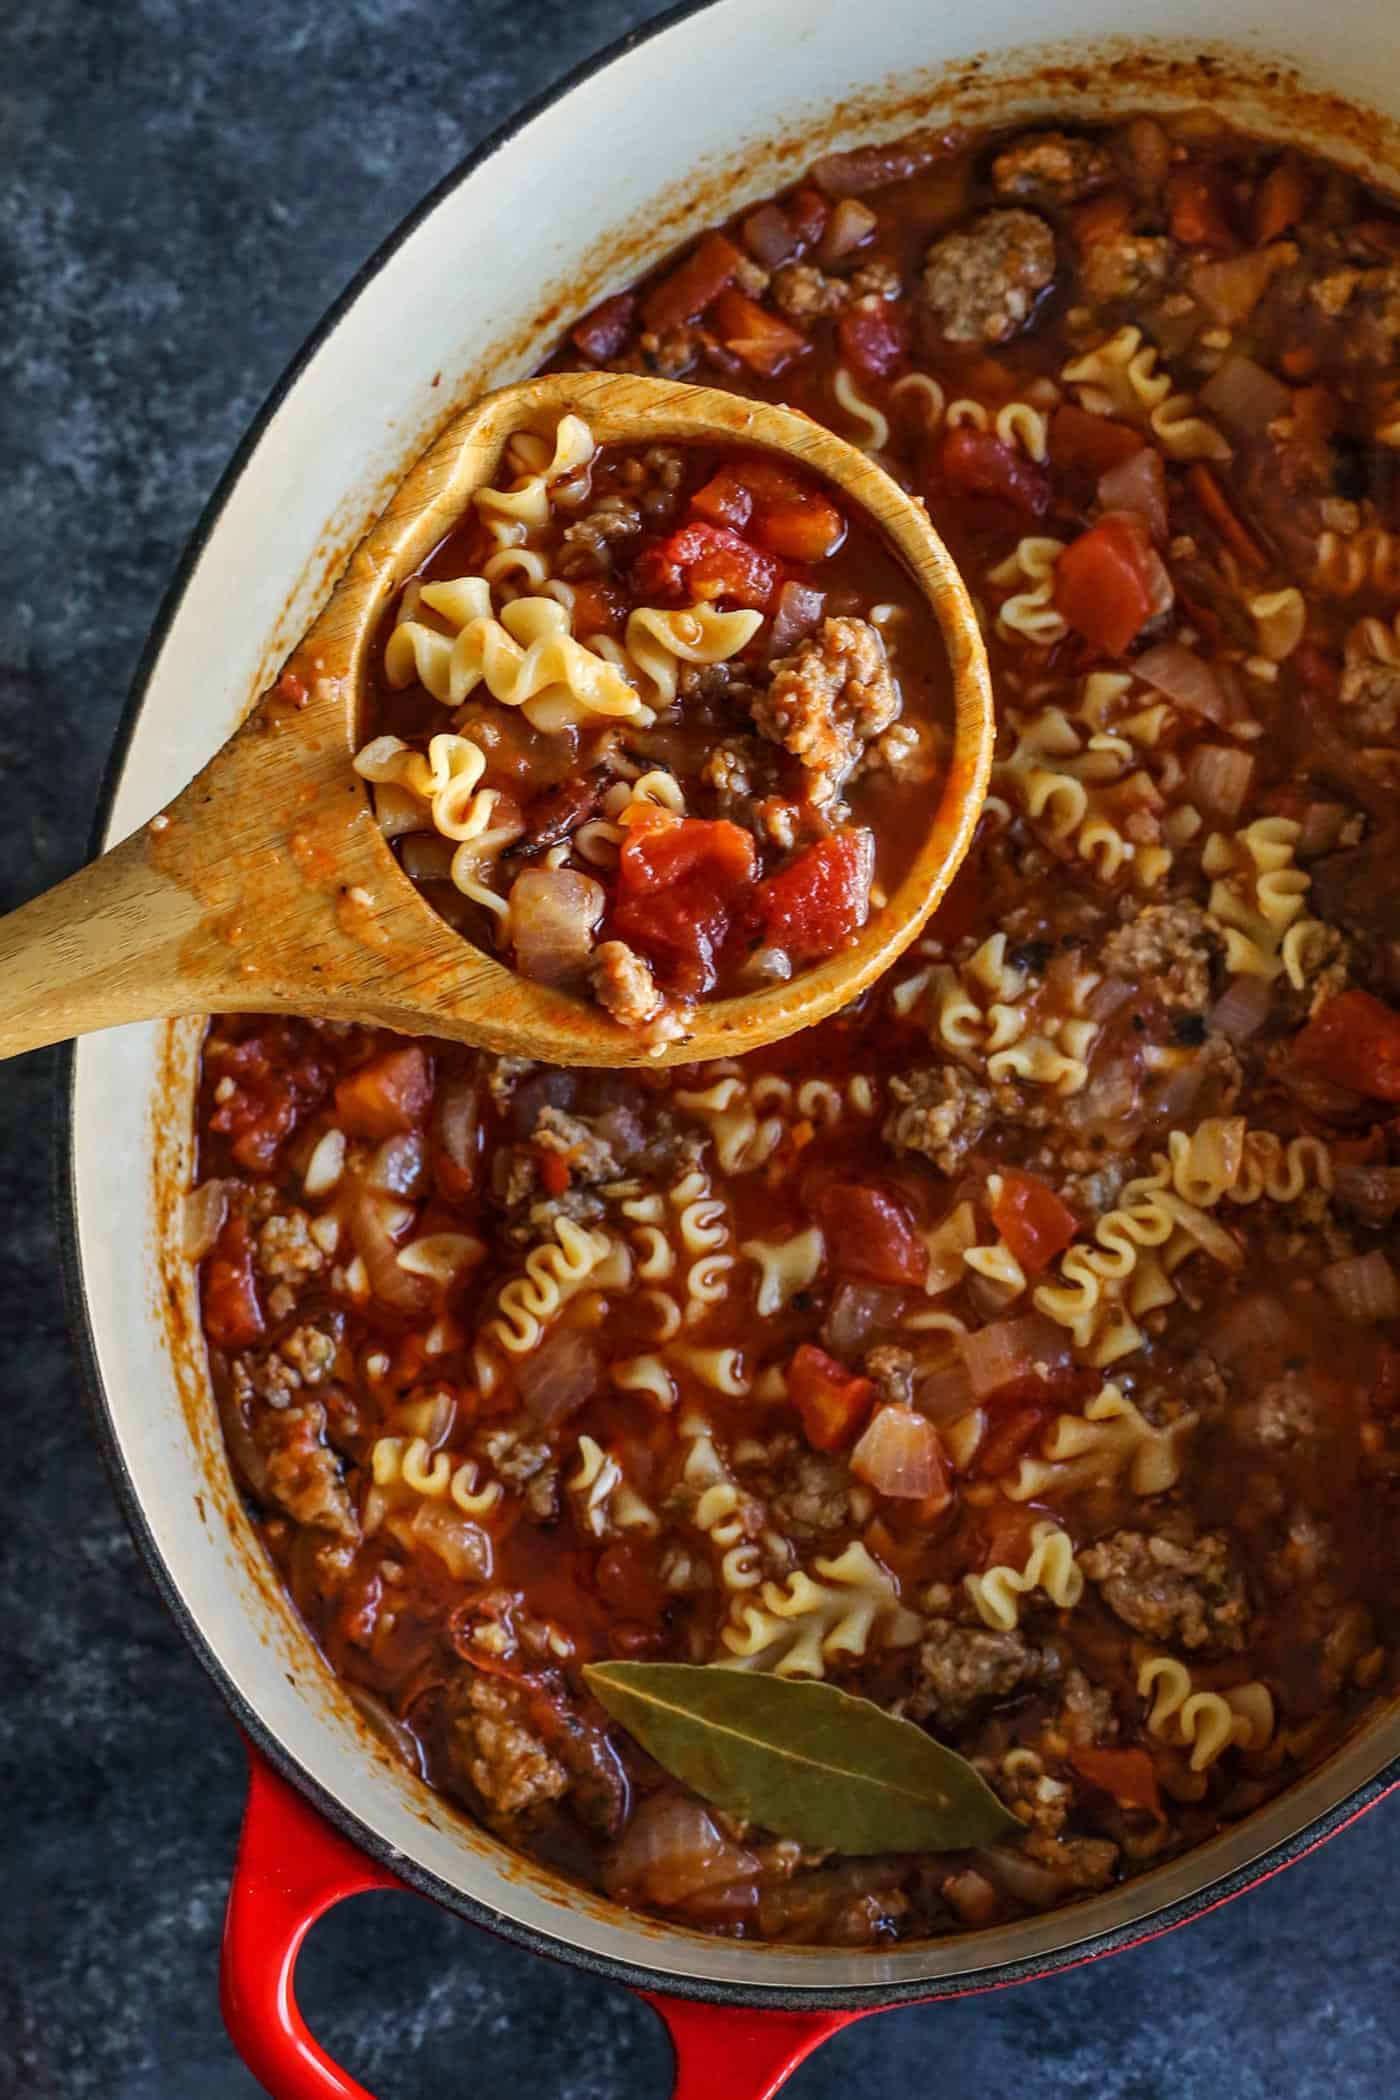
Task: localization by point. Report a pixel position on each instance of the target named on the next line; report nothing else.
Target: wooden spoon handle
(95, 951)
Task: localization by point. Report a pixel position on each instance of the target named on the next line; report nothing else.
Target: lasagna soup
(1020, 1349)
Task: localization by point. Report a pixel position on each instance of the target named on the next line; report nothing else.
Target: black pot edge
(864, 1998)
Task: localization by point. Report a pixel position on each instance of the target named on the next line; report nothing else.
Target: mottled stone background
(185, 187)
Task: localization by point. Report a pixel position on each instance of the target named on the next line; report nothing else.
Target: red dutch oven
(696, 114)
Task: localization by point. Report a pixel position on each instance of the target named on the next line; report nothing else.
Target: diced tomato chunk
(785, 515)
(814, 905)
(655, 855)
(1280, 200)
(682, 884)
(706, 561)
(680, 934)
(597, 609)
(602, 333)
(1032, 1220)
(232, 1315)
(806, 528)
(725, 499)
(978, 464)
(554, 1170)
(1103, 585)
(692, 286)
(1354, 1040)
(831, 1402)
(389, 1094)
(1129, 1776)
(874, 339)
(869, 1234)
(1092, 444)
(1196, 210)
(1103, 218)
(1003, 1530)
(277, 1076)
(808, 211)
(759, 338)
(1011, 1431)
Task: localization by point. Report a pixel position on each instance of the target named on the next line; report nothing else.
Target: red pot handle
(293, 1867)
(725, 2050)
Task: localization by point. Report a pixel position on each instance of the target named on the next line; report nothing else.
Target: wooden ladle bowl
(268, 885)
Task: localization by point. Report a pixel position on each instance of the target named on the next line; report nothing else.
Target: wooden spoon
(268, 884)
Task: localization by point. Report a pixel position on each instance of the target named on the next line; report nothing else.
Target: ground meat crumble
(982, 283)
(827, 699)
(1188, 1596)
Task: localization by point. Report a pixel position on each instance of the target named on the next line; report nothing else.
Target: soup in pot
(1019, 1350)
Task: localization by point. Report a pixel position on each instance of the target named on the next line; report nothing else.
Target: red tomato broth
(1242, 1524)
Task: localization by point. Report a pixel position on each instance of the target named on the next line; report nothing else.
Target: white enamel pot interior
(718, 106)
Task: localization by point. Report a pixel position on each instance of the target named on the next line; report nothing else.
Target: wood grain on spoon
(268, 885)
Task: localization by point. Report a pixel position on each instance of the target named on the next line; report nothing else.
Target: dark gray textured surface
(185, 187)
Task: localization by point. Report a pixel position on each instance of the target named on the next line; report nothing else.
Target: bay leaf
(803, 1759)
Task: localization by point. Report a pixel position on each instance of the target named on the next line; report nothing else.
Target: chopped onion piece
(458, 1118)
(426, 858)
(462, 1547)
(900, 1456)
(1030, 1347)
(1370, 1193)
(972, 1897)
(769, 235)
(851, 222)
(1242, 1008)
(673, 1849)
(860, 1313)
(1218, 779)
(944, 1392)
(1364, 1288)
(559, 1376)
(1178, 1090)
(1244, 397)
(397, 1166)
(554, 914)
(1025, 1880)
(1322, 829)
(205, 1210)
(1109, 998)
(1138, 485)
(390, 1731)
(798, 610)
(1185, 679)
(1109, 1097)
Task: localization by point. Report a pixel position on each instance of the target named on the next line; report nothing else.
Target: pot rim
(983, 1976)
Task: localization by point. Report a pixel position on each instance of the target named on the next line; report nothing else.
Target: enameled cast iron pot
(669, 130)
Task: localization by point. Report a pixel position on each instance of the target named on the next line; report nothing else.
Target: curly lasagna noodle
(660, 723)
(1020, 1349)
